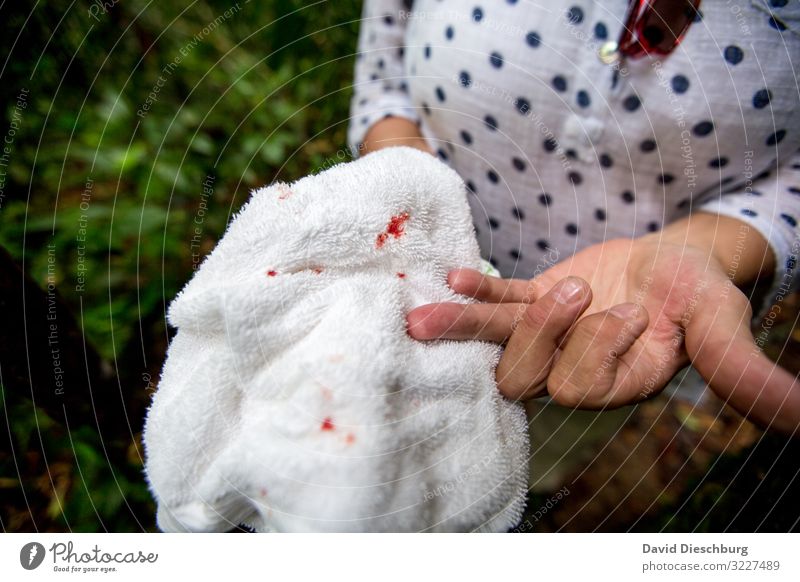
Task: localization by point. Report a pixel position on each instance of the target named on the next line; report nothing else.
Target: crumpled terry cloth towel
(292, 398)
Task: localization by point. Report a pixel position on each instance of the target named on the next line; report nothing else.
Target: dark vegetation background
(92, 185)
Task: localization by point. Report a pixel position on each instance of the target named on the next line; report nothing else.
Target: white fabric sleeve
(379, 87)
(771, 206)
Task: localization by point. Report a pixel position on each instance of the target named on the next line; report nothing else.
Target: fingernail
(625, 311)
(570, 290)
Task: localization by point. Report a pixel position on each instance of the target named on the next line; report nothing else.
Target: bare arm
(394, 131)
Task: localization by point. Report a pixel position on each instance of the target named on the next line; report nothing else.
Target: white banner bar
(353, 557)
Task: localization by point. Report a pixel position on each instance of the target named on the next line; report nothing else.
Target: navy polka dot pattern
(680, 84)
(600, 31)
(631, 103)
(776, 137)
(733, 54)
(776, 23)
(522, 105)
(762, 98)
(720, 162)
(559, 151)
(703, 128)
(575, 15)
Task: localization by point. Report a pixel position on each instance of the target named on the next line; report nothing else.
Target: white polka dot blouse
(560, 150)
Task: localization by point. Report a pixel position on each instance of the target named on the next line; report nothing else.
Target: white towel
(292, 398)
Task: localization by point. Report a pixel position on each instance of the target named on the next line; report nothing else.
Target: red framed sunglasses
(655, 27)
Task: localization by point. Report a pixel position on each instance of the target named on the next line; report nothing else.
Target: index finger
(475, 321)
(536, 339)
(472, 283)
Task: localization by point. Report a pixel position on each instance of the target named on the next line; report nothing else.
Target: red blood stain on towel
(317, 270)
(350, 438)
(401, 275)
(327, 424)
(395, 228)
(271, 273)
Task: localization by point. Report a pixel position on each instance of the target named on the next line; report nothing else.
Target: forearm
(394, 131)
(744, 254)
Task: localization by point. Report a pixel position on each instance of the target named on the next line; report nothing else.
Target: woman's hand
(612, 324)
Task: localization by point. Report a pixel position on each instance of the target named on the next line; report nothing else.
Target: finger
(723, 350)
(587, 374)
(471, 283)
(483, 321)
(530, 352)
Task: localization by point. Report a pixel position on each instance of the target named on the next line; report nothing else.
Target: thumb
(722, 349)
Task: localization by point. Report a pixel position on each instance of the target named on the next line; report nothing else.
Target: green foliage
(753, 491)
(128, 112)
(70, 484)
(154, 98)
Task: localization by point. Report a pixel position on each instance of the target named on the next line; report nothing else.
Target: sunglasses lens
(664, 24)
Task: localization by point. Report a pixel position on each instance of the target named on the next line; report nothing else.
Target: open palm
(612, 325)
